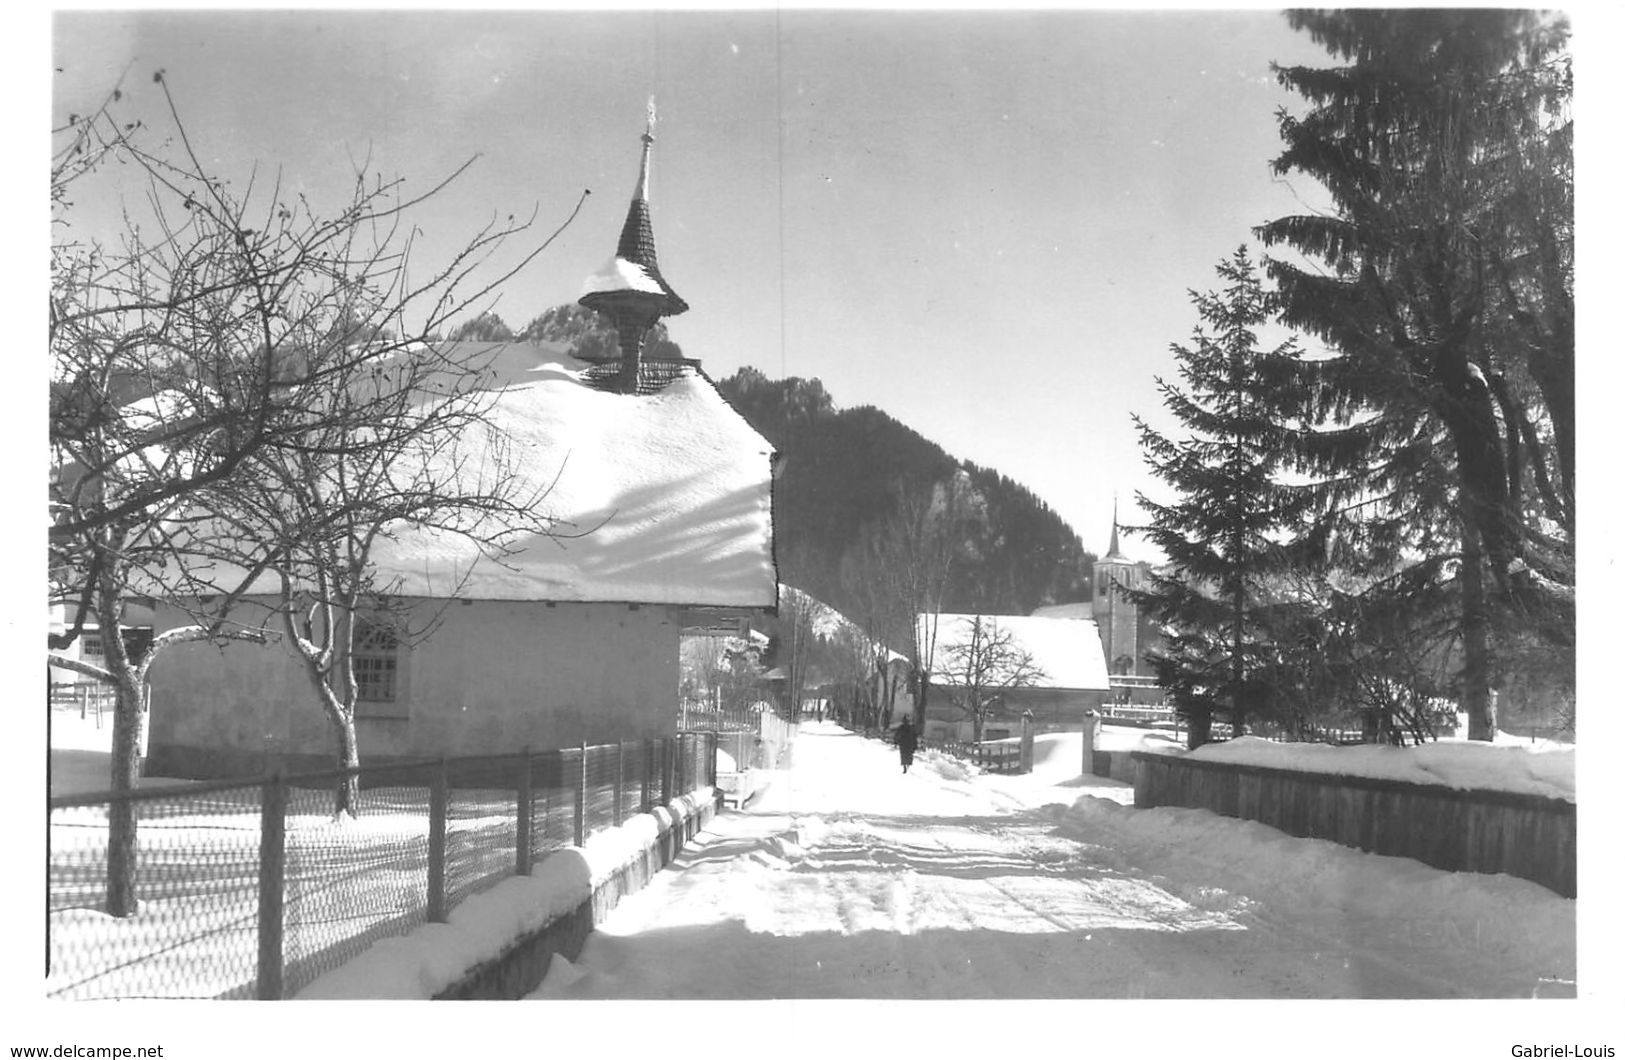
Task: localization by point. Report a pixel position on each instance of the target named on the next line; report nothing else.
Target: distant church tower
(1116, 616)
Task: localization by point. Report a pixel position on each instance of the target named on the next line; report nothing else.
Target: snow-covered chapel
(566, 640)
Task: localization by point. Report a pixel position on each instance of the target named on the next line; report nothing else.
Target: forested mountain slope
(849, 478)
(844, 473)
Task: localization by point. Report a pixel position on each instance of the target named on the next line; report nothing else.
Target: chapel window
(375, 658)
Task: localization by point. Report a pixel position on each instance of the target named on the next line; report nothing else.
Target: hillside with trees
(871, 518)
(848, 476)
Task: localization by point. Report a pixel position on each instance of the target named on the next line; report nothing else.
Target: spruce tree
(1230, 526)
(1443, 282)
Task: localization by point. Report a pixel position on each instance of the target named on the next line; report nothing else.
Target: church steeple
(1115, 613)
(629, 289)
(1114, 554)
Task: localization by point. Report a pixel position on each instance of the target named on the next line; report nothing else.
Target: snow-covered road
(847, 878)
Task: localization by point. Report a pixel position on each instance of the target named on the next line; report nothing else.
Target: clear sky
(985, 223)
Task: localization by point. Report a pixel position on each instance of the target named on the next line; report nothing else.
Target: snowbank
(1134, 738)
(1376, 894)
(1534, 770)
(432, 957)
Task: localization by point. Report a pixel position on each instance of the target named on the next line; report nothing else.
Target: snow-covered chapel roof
(1084, 611)
(663, 497)
(671, 493)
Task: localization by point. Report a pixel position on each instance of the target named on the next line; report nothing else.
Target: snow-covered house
(563, 641)
(1062, 663)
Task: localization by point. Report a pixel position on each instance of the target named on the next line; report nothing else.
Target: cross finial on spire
(642, 190)
(1113, 550)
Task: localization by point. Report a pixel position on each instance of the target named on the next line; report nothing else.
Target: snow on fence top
(1460, 764)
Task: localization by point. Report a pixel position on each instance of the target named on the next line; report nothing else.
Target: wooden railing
(1146, 712)
(995, 756)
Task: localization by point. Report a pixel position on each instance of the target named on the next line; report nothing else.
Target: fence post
(665, 770)
(581, 799)
(620, 778)
(522, 846)
(273, 865)
(713, 740)
(648, 768)
(1091, 735)
(437, 845)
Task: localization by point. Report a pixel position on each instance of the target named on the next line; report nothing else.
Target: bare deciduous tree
(202, 346)
(797, 640)
(906, 561)
(402, 445)
(982, 663)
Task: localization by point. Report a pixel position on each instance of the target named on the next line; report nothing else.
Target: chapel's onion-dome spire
(629, 289)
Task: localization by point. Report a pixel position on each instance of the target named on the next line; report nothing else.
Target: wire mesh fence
(245, 890)
(196, 884)
(481, 811)
(348, 882)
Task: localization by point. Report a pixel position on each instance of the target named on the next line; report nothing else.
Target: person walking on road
(907, 741)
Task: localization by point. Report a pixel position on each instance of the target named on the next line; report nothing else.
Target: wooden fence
(1113, 765)
(995, 756)
(90, 697)
(1529, 836)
